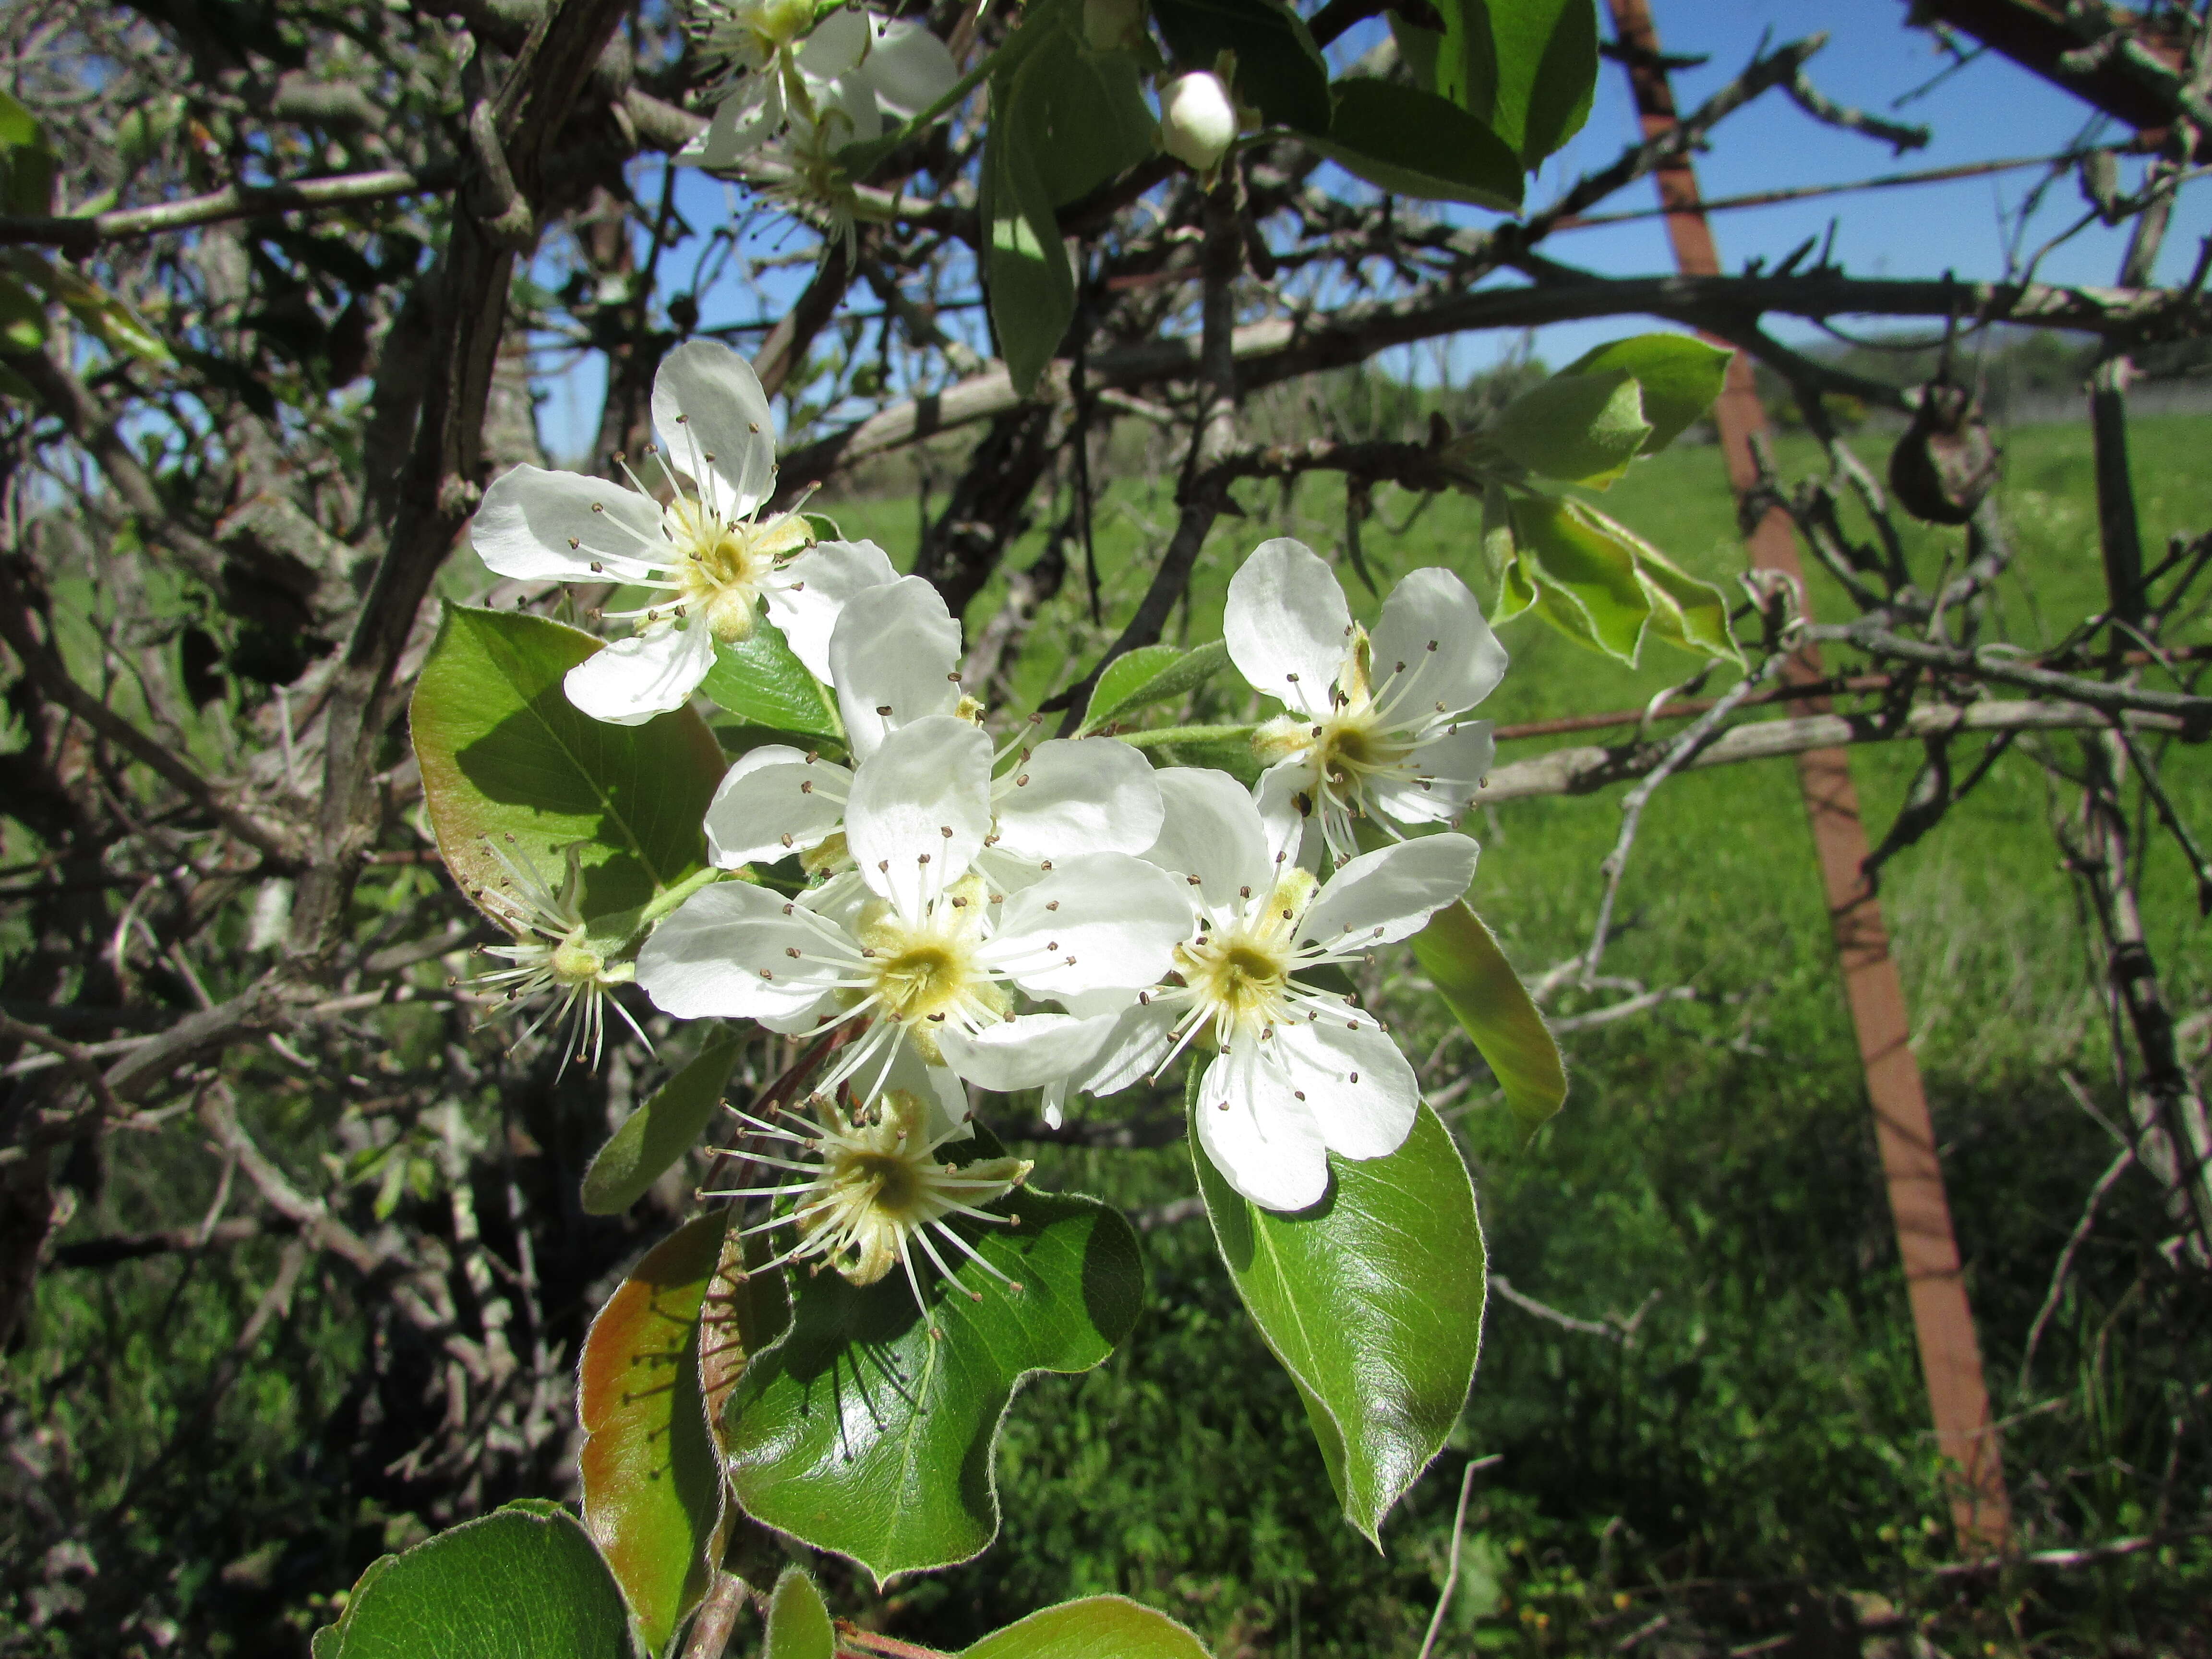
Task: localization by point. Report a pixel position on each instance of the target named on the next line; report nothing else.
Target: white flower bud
(1117, 25)
(1197, 121)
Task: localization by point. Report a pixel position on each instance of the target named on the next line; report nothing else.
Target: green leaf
(653, 1491)
(798, 1625)
(22, 318)
(1461, 957)
(657, 1134)
(1224, 748)
(1527, 67)
(860, 1433)
(1152, 674)
(1685, 610)
(1096, 1627)
(1584, 576)
(762, 681)
(1413, 143)
(504, 753)
(1372, 1299)
(1083, 111)
(118, 327)
(522, 1583)
(1030, 283)
(1279, 70)
(1680, 376)
(1418, 47)
(26, 162)
(1580, 428)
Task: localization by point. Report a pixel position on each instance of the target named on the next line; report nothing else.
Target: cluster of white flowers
(949, 911)
(796, 92)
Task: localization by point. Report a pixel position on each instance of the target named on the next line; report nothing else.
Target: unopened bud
(1197, 121)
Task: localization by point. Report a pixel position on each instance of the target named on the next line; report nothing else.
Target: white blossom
(916, 946)
(874, 1191)
(845, 81)
(1291, 1072)
(1378, 726)
(893, 660)
(709, 557)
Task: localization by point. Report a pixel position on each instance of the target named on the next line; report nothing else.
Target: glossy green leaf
(657, 1134)
(1152, 674)
(860, 1433)
(1584, 577)
(1280, 71)
(1030, 284)
(504, 753)
(762, 681)
(1096, 1627)
(1680, 377)
(1416, 143)
(1579, 428)
(1526, 67)
(1462, 958)
(523, 1582)
(653, 1494)
(798, 1625)
(1373, 1300)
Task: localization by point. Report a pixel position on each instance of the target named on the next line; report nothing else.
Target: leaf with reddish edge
(652, 1486)
(741, 1315)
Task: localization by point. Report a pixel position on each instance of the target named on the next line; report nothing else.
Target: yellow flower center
(574, 963)
(720, 568)
(928, 973)
(879, 1184)
(1242, 973)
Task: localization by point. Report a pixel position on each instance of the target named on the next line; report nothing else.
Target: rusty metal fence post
(1943, 1323)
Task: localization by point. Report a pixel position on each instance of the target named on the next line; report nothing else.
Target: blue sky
(1989, 110)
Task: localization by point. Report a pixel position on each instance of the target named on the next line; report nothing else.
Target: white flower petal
(1390, 894)
(1136, 1047)
(1026, 1052)
(892, 657)
(1290, 828)
(925, 780)
(714, 422)
(807, 595)
(772, 802)
(910, 68)
(1213, 830)
(1453, 765)
(1431, 624)
(937, 1085)
(723, 955)
(1358, 1087)
(742, 122)
(1103, 919)
(529, 517)
(1286, 623)
(1071, 796)
(1262, 1139)
(836, 47)
(630, 681)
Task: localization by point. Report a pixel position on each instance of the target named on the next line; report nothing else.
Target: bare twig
(1459, 1530)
